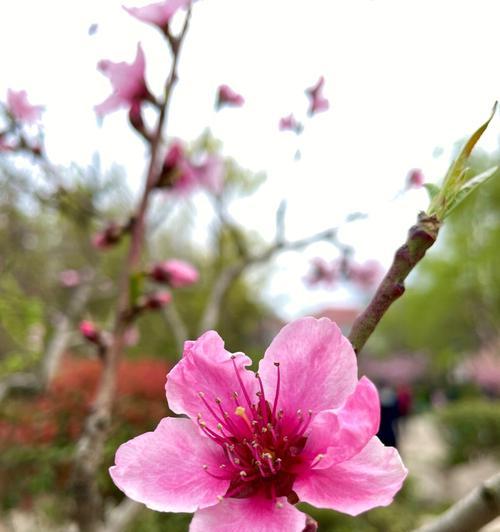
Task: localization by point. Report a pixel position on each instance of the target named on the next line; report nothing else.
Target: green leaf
(458, 176)
(432, 190)
(469, 187)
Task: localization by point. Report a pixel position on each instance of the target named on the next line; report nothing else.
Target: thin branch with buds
(420, 238)
(90, 446)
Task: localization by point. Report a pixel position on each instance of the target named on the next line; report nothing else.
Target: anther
(243, 474)
(201, 394)
(279, 505)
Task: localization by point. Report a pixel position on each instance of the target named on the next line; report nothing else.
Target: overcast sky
(405, 79)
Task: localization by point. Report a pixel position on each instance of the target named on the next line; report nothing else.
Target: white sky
(403, 77)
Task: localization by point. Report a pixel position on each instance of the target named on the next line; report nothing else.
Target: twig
(62, 334)
(176, 324)
(472, 512)
(230, 274)
(90, 446)
(420, 238)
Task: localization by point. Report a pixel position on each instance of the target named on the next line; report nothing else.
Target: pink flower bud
(107, 238)
(89, 331)
(226, 96)
(318, 101)
(174, 272)
(157, 300)
(415, 178)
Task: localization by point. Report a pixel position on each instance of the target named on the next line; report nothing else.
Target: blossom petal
(158, 13)
(317, 365)
(369, 479)
(254, 514)
(164, 469)
(341, 434)
(207, 368)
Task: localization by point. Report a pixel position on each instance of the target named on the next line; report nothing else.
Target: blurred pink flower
(415, 178)
(318, 101)
(159, 13)
(129, 85)
(177, 273)
(20, 109)
(303, 427)
(226, 96)
(131, 336)
(322, 273)
(210, 173)
(484, 368)
(182, 176)
(89, 331)
(70, 278)
(366, 275)
(5, 145)
(289, 123)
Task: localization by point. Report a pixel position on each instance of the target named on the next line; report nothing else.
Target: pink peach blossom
(318, 101)
(210, 173)
(415, 178)
(322, 273)
(159, 13)
(183, 176)
(226, 96)
(129, 85)
(289, 123)
(303, 427)
(366, 275)
(20, 109)
(177, 273)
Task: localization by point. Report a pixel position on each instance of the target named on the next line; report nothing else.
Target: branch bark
(62, 334)
(420, 238)
(472, 512)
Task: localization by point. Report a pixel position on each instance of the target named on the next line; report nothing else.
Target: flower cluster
(253, 444)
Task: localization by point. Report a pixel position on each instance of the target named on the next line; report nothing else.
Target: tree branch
(420, 238)
(176, 324)
(230, 274)
(90, 447)
(472, 512)
(62, 334)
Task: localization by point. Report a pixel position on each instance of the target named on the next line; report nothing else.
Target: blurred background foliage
(451, 310)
